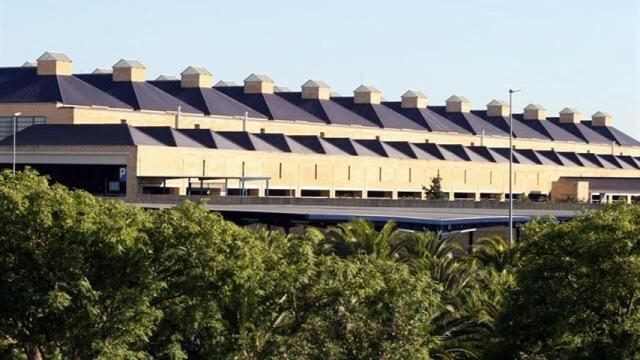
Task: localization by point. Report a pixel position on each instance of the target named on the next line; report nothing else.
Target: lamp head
(514, 90)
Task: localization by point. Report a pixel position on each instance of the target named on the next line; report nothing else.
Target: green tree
(73, 281)
(434, 191)
(576, 289)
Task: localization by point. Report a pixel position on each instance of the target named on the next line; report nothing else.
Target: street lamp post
(511, 92)
(15, 131)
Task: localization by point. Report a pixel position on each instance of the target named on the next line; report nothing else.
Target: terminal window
(6, 124)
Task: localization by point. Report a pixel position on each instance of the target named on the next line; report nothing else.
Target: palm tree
(361, 237)
(460, 325)
(493, 252)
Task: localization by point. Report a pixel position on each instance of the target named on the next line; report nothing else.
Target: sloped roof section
(581, 131)
(125, 135)
(327, 110)
(24, 85)
(80, 134)
(128, 63)
(207, 100)
(470, 122)
(54, 56)
(427, 118)
(273, 106)
(550, 129)
(379, 114)
(521, 128)
(613, 135)
(139, 95)
(170, 136)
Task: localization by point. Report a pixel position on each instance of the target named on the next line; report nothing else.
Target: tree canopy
(88, 278)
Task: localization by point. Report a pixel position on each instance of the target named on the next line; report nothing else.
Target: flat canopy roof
(438, 219)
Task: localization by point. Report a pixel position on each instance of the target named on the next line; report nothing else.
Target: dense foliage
(86, 278)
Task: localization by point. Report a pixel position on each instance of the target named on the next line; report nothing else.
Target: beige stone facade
(365, 176)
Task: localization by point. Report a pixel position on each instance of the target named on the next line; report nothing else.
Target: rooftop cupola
(366, 95)
(315, 90)
(54, 63)
(196, 77)
(258, 84)
(458, 104)
(601, 119)
(497, 108)
(102, 71)
(535, 112)
(225, 83)
(413, 99)
(281, 89)
(30, 64)
(165, 77)
(569, 116)
(129, 70)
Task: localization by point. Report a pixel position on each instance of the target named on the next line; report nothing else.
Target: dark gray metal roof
(581, 131)
(327, 110)
(139, 95)
(520, 128)
(378, 114)
(470, 122)
(24, 85)
(613, 134)
(427, 118)
(170, 136)
(609, 184)
(208, 100)
(90, 134)
(122, 134)
(271, 105)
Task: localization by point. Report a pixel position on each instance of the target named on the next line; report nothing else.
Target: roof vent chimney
(366, 95)
(165, 77)
(535, 112)
(281, 89)
(102, 71)
(196, 77)
(569, 116)
(54, 63)
(497, 108)
(458, 104)
(258, 84)
(225, 83)
(129, 70)
(601, 119)
(315, 90)
(413, 99)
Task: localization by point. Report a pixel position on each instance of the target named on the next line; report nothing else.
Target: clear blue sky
(577, 53)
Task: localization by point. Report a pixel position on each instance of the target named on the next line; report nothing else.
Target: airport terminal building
(113, 132)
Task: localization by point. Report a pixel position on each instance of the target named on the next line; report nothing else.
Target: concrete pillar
(394, 194)
(332, 193)
(477, 196)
